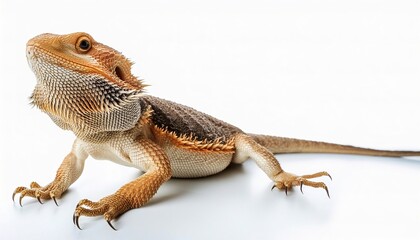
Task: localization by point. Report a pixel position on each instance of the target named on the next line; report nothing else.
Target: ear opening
(123, 73)
(119, 73)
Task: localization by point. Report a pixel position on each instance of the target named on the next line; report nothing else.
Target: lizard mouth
(42, 61)
(36, 54)
(32, 54)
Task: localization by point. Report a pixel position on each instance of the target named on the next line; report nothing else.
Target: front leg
(136, 193)
(69, 171)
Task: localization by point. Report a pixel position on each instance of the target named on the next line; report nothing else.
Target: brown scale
(187, 123)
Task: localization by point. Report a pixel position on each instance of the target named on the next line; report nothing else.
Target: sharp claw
(109, 223)
(17, 190)
(285, 190)
(329, 176)
(55, 201)
(273, 187)
(76, 220)
(301, 185)
(20, 200)
(328, 194)
(39, 199)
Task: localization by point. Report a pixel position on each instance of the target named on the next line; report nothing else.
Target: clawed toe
(286, 181)
(82, 211)
(27, 192)
(17, 190)
(315, 175)
(315, 185)
(109, 207)
(38, 192)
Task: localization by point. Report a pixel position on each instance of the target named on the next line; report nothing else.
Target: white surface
(338, 71)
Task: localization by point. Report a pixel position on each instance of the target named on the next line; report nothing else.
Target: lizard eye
(83, 44)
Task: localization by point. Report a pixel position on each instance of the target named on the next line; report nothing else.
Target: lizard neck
(85, 103)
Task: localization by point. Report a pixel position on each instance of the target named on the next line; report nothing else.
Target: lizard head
(81, 53)
(83, 83)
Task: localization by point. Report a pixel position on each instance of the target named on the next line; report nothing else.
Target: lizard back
(196, 144)
(186, 121)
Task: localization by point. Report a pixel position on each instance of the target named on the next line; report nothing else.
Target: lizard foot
(51, 191)
(110, 207)
(286, 181)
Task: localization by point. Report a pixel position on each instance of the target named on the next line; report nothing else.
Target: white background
(337, 71)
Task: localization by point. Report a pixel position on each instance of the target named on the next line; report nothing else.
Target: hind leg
(246, 147)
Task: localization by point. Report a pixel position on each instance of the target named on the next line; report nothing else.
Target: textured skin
(183, 120)
(290, 145)
(87, 87)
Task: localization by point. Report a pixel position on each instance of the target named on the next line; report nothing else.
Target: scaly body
(88, 88)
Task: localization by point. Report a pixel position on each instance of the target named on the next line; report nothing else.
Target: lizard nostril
(28, 51)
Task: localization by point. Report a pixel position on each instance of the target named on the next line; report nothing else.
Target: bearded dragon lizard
(88, 88)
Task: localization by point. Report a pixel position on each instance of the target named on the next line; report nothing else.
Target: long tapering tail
(290, 145)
